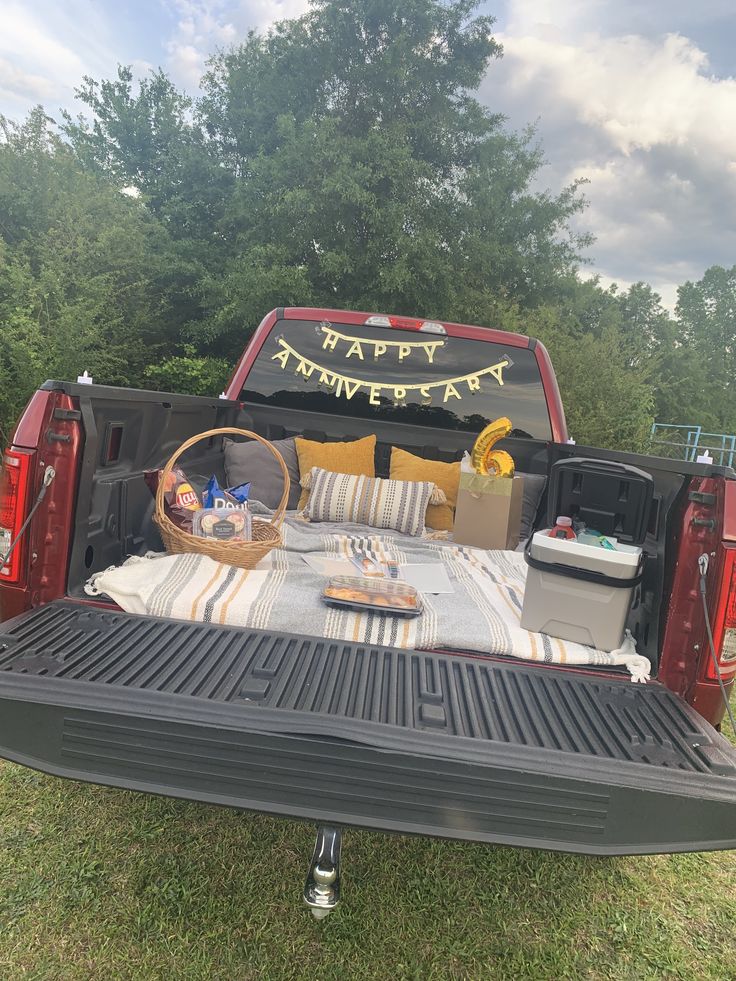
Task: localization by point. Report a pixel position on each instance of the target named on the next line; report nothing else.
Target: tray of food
(373, 595)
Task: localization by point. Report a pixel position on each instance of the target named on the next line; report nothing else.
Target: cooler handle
(586, 575)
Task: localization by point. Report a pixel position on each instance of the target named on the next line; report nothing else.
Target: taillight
(724, 625)
(13, 498)
(406, 323)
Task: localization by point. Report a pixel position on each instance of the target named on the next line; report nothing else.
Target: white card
(327, 565)
(427, 577)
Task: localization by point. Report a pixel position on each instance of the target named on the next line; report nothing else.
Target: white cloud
(23, 35)
(186, 64)
(14, 83)
(206, 25)
(201, 27)
(46, 48)
(638, 92)
(264, 13)
(644, 119)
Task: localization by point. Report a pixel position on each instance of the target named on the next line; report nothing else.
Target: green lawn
(99, 883)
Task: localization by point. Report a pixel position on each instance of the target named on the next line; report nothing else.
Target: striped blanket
(283, 593)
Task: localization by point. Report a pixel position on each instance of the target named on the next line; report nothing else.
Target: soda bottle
(563, 528)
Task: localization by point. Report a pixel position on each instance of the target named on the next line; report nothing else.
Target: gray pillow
(254, 462)
(533, 487)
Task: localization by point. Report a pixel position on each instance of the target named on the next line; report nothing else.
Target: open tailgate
(380, 738)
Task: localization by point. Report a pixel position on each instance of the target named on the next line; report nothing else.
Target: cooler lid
(613, 498)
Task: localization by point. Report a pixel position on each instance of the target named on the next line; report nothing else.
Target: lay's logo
(186, 497)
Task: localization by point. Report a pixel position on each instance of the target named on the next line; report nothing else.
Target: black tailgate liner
(334, 731)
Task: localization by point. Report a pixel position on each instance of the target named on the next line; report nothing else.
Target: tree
(379, 177)
(145, 140)
(88, 280)
(706, 315)
(187, 372)
(608, 401)
(649, 330)
(348, 164)
(341, 159)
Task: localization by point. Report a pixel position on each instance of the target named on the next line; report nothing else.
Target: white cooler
(579, 592)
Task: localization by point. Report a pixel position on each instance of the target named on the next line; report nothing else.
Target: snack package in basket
(225, 524)
(181, 501)
(217, 497)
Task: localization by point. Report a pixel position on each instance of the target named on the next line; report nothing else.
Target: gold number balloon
(485, 459)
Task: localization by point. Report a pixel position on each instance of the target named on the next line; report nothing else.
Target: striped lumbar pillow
(343, 497)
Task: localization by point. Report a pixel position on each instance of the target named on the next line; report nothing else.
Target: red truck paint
(684, 646)
(44, 577)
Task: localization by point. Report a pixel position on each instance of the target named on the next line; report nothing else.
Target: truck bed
(396, 740)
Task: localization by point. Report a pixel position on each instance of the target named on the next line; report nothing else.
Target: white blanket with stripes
(481, 615)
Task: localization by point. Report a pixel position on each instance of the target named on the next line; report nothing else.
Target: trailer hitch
(322, 888)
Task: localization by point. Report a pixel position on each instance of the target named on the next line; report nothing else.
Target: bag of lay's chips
(180, 498)
(234, 498)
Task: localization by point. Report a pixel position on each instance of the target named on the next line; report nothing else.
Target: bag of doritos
(234, 498)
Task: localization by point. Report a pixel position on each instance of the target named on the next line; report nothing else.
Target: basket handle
(278, 515)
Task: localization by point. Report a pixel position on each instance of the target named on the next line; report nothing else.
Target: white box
(574, 609)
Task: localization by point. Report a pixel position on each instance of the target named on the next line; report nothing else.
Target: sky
(639, 98)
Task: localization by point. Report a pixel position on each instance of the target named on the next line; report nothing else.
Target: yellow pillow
(357, 458)
(406, 466)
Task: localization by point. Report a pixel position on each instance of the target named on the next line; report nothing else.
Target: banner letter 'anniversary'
(343, 386)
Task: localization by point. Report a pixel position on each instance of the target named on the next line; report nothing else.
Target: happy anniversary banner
(345, 386)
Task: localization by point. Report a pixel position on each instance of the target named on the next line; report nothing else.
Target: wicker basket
(245, 555)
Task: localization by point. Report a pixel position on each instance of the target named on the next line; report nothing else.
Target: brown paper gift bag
(488, 513)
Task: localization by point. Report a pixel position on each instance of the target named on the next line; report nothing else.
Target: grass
(100, 883)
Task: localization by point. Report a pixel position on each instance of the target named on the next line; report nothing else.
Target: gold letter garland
(344, 385)
(403, 348)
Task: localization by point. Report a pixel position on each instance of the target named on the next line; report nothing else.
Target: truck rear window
(397, 375)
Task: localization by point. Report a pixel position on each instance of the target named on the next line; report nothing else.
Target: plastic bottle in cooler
(563, 529)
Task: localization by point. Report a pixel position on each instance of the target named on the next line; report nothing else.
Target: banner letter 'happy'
(403, 349)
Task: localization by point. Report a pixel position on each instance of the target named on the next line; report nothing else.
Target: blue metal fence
(688, 442)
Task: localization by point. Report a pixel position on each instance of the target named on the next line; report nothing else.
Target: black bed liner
(340, 732)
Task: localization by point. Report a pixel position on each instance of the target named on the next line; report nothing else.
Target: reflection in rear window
(401, 376)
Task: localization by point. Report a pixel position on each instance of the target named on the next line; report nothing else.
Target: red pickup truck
(513, 752)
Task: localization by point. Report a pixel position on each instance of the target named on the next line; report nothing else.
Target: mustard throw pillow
(406, 466)
(357, 458)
